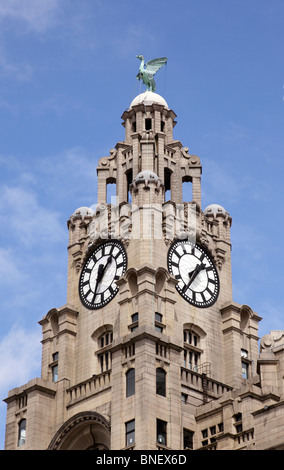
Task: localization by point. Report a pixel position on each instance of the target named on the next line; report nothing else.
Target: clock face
(198, 281)
(97, 285)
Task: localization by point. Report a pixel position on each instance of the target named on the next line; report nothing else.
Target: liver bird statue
(146, 72)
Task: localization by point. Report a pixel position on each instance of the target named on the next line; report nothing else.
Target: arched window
(191, 350)
(22, 432)
(130, 382)
(104, 353)
(160, 382)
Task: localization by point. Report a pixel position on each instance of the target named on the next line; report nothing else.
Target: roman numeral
(117, 254)
(177, 253)
(88, 292)
(174, 264)
(209, 291)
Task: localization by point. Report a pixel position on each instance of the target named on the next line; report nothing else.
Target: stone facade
(150, 370)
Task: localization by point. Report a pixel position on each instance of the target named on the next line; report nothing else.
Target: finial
(146, 73)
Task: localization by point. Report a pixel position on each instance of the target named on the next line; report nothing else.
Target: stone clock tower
(150, 351)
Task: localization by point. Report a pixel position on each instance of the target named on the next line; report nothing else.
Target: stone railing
(201, 382)
(89, 387)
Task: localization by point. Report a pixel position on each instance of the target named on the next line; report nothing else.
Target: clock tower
(150, 351)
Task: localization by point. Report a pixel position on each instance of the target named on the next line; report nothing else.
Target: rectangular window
(134, 317)
(54, 370)
(158, 317)
(161, 432)
(130, 433)
(54, 367)
(148, 124)
(187, 439)
(55, 356)
(245, 367)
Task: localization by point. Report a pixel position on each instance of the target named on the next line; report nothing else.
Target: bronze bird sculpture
(147, 71)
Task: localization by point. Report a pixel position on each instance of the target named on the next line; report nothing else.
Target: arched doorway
(84, 431)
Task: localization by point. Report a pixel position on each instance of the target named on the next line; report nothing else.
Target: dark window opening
(148, 124)
(167, 182)
(162, 126)
(129, 178)
(161, 382)
(187, 439)
(130, 433)
(134, 126)
(161, 432)
(130, 382)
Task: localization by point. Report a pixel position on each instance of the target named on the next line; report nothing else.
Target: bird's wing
(153, 65)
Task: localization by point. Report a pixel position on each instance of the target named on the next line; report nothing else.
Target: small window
(54, 367)
(184, 398)
(161, 382)
(130, 433)
(134, 322)
(158, 317)
(22, 432)
(245, 364)
(213, 430)
(148, 124)
(134, 317)
(54, 370)
(159, 328)
(245, 368)
(130, 382)
(161, 432)
(158, 321)
(187, 439)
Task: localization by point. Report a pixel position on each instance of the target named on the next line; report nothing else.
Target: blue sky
(67, 73)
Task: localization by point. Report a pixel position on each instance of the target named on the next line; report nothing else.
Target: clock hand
(193, 274)
(101, 271)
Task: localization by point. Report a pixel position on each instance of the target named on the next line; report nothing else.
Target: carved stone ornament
(106, 161)
(193, 160)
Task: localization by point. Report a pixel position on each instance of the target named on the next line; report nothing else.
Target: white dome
(215, 209)
(146, 175)
(83, 212)
(148, 98)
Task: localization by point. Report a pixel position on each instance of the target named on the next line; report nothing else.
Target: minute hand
(100, 275)
(195, 273)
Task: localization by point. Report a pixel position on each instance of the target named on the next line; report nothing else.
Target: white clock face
(198, 280)
(97, 285)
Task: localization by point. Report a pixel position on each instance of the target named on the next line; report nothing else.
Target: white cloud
(10, 273)
(36, 15)
(20, 352)
(26, 220)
